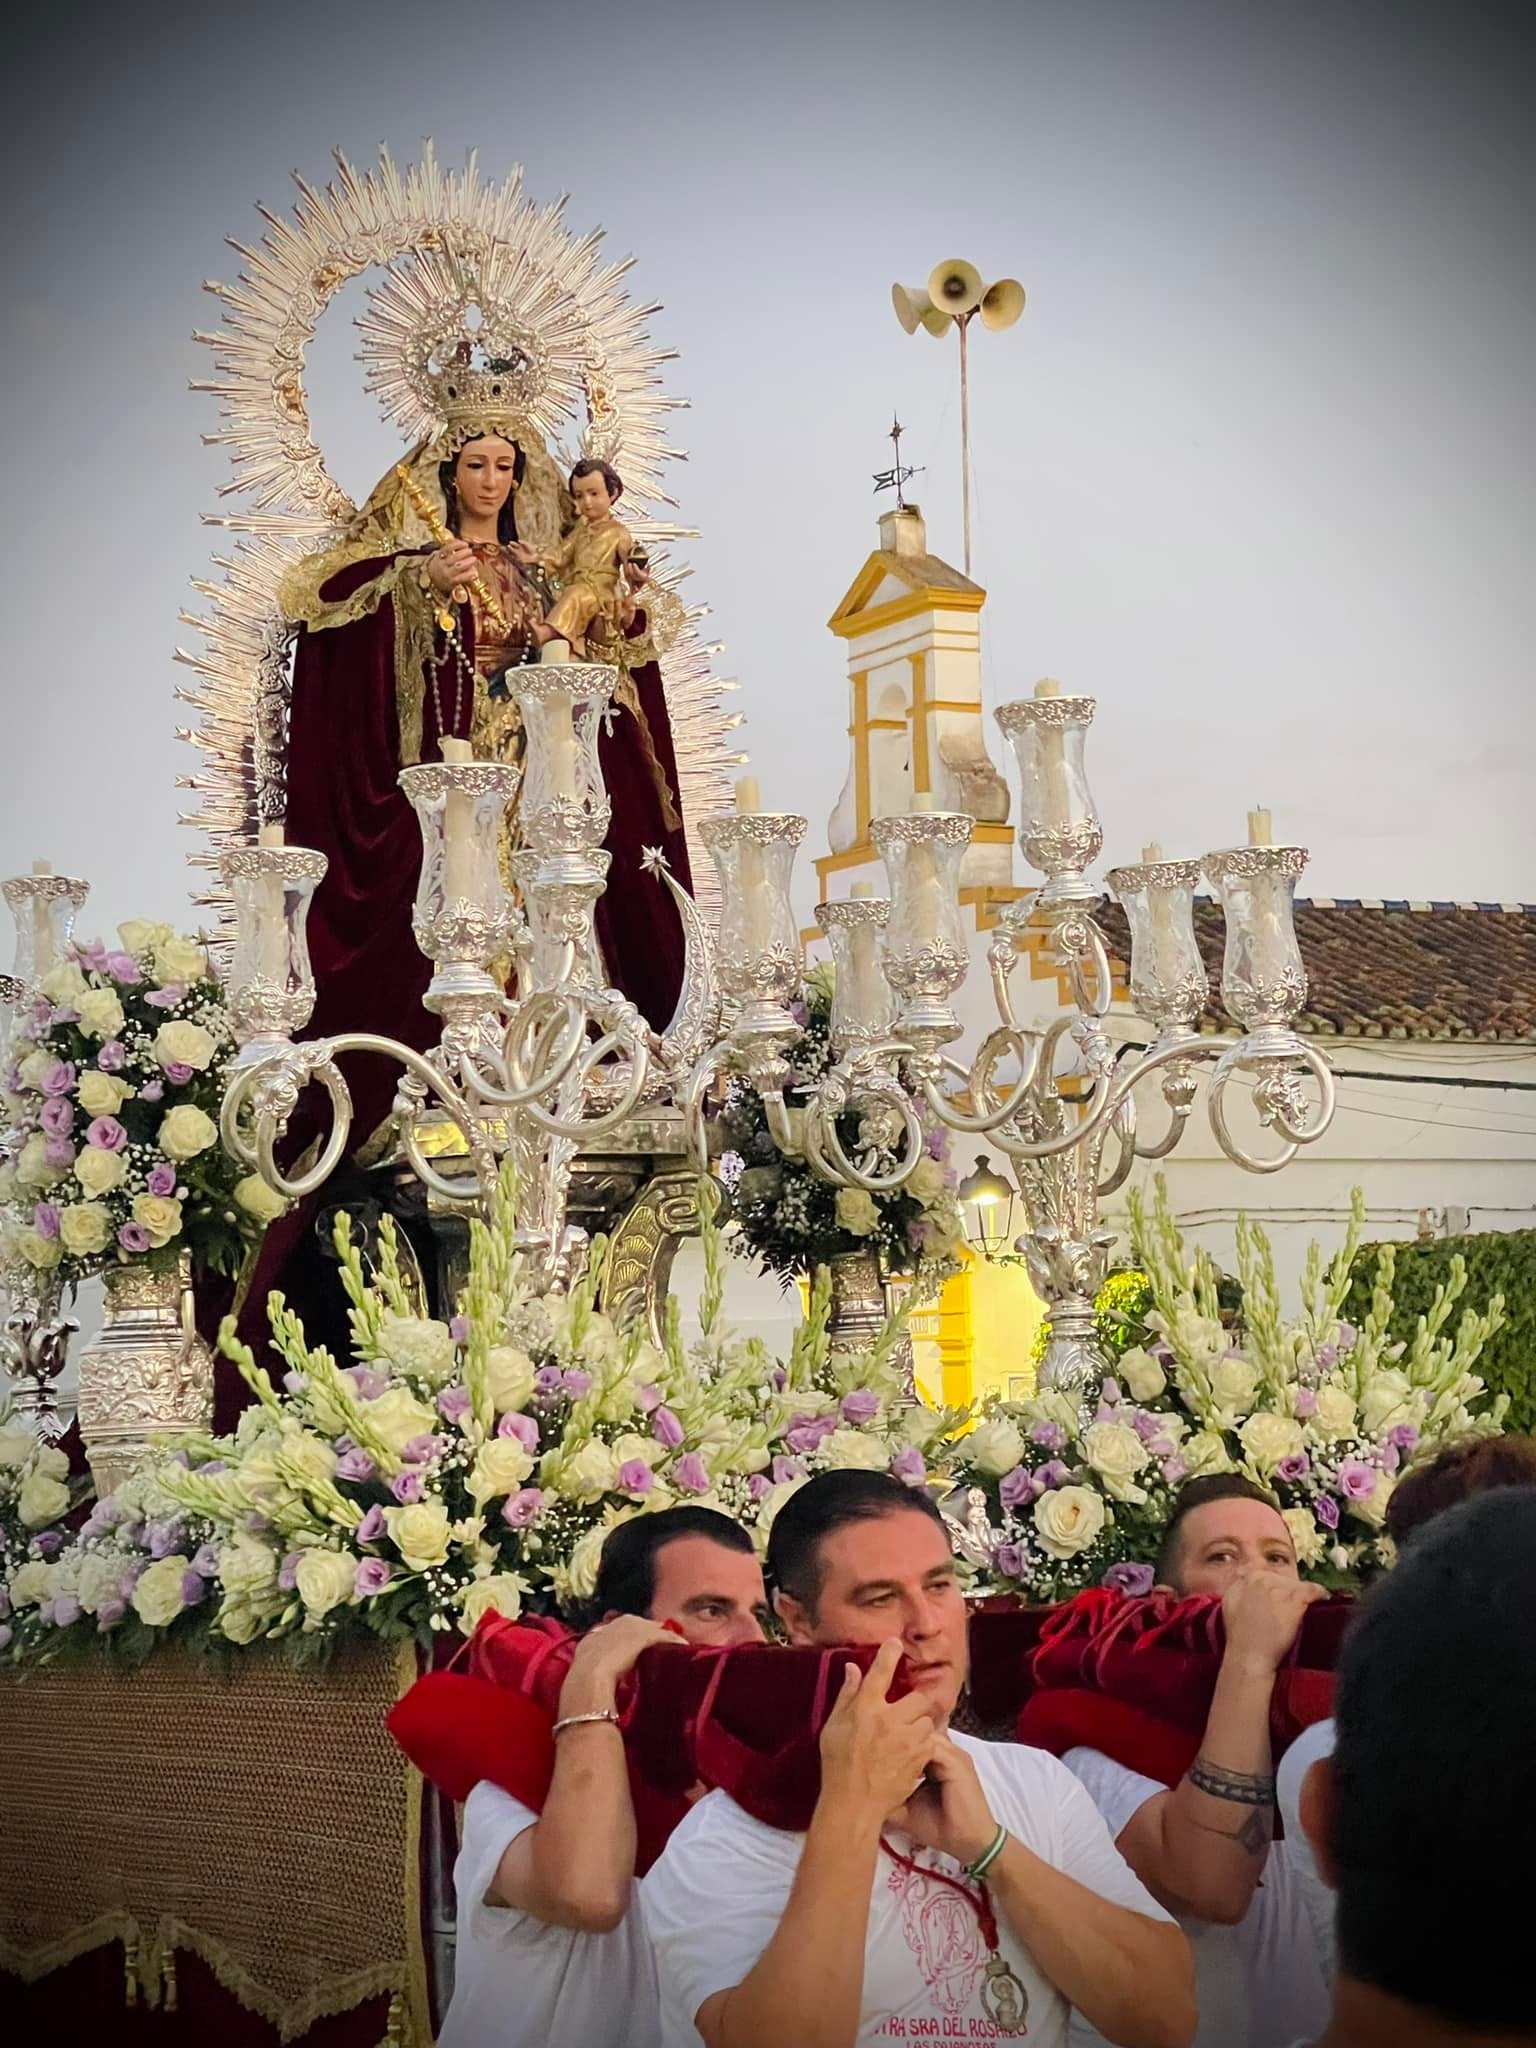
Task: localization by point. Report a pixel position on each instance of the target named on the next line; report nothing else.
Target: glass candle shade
(463, 911)
(45, 908)
(1169, 984)
(559, 912)
(863, 1003)
(759, 941)
(1263, 981)
(271, 982)
(925, 950)
(565, 804)
(1058, 825)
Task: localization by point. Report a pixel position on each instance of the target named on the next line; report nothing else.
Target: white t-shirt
(1260, 1984)
(520, 1983)
(1313, 1743)
(714, 1901)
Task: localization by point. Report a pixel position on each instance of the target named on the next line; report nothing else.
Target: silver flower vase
(147, 1377)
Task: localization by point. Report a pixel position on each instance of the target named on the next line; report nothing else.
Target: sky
(1255, 469)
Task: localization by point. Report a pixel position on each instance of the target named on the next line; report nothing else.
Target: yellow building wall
(978, 1338)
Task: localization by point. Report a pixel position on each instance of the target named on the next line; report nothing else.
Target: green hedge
(1498, 1262)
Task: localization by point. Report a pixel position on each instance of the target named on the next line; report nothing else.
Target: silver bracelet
(585, 1720)
(977, 1871)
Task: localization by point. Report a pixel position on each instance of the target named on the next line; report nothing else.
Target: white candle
(555, 653)
(558, 734)
(1160, 900)
(756, 902)
(458, 831)
(271, 938)
(1260, 832)
(925, 899)
(42, 927)
(1055, 793)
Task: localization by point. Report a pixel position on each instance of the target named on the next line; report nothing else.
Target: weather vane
(899, 473)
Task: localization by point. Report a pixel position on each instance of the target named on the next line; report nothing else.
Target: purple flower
(666, 1428)
(104, 1515)
(691, 1473)
(548, 1382)
(1404, 1436)
(779, 1378)
(1052, 1475)
(1050, 1436)
(1306, 1402)
(371, 1527)
(1016, 1487)
(919, 1230)
(161, 1539)
(152, 1091)
(5, 1602)
(860, 1406)
(1175, 1469)
(59, 1079)
(407, 1488)
(178, 1073)
(59, 1152)
(295, 1382)
(647, 1397)
(166, 998)
(1294, 1468)
(369, 1384)
(909, 1465)
(45, 1219)
(805, 1432)
(578, 1384)
(453, 1403)
(759, 1486)
(123, 968)
(787, 1469)
(133, 1532)
(288, 1571)
(458, 1329)
(256, 1524)
(66, 1611)
(40, 1016)
(49, 1544)
(1357, 1480)
(936, 1144)
(521, 1509)
(421, 1450)
(193, 1588)
(133, 1237)
(57, 1116)
(90, 954)
(373, 1574)
(1131, 1579)
(162, 1179)
(1327, 1356)
(635, 1476)
(1326, 1509)
(1349, 1336)
(113, 1056)
(1389, 1457)
(213, 1465)
(1008, 1561)
(1162, 1351)
(1109, 1391)
(1146, 1426)
(354, 1464)
(524, 1428)
(110, 1613)
(206, 1560)
(130, 1579)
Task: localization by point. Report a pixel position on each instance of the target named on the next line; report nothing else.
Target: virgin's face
(483, 475)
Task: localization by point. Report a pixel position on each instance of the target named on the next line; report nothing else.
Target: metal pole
(963, 322)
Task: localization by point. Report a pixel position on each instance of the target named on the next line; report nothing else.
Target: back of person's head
(1199, 1493)
(1471, 1465)
(626, 1571)
(1434, 1773)
(826, 1503)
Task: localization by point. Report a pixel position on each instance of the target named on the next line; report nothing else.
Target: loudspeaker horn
(1002, 303)
(955, 287)
(911, 303)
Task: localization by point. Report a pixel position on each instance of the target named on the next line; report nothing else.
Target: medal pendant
(445, 619)
(1004, 1999)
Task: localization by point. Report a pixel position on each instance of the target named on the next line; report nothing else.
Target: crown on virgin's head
(465, 393)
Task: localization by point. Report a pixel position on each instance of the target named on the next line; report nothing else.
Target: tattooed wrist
(1242, 1788)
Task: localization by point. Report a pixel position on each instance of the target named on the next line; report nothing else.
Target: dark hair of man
(626, 1571)
(1472, 1465)
(1435, 1772)
(831, 1501)
(1198, 1493)
(590, 466)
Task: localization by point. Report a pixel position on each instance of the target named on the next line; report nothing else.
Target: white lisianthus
(421, 1533)
(1307, 1538)
(856, 1212)
(1141, 1373)
(41, 1500)
(584, 1474)
(500, 1466)
(509, 1375)
(186, 1132)
(84, 1228)
(925, 1183)
(157, 1597)
(1267, 1438)
(102, 1094)
(323, 1580)
(502, 1593)
(31, 1584)
(1117, 1454)
(397, 1416)
(855, 1450)
(142, 935)
(1069, 1520)
(101, 1014)
(16, 1446)
(1373, 1509)
(1388, 1398)
(422, 1348)
(259, 1201)
(1335, 1414)
(32, 1167)
(1205, 1452)
(994, 1447)
(41, 1253)
(1234, 1385)
(181, 1043)
(64, 983)
(248, 1569)
(99, 1171)
(179, 962)
(240, 1622)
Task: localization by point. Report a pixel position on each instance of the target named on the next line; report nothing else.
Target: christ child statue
(592, 567)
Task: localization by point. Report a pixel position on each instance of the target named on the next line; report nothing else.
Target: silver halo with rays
(430, 229)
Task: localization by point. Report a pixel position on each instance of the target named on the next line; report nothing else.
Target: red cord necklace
(1003, 1997)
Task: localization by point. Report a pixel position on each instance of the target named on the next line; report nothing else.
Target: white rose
(180, 961)
(1388, 1399)
(424, 1349)
(157, 1597)
(186, 1131)
(856, 1212)
(502, 1593)
(41, 1500)
(421, 1533)
(1141, 1373)
(500, 1467)
(509, 1375)
(770, 1505)
(240, 1622)
(855, 1450)
(32, 1584)
(52, 1460)
(578, 1580)
(32, 1168)
(645, 1448)
(994, 1447)
(1335, 1414)
(1234, 1385)
(64, 983)
(259, 1201)
(160, 1215)
(101, 1014)
(587, 1474)
(1068, 1520)
(925, 1183)
(1373, 1509)
(99, 1172)
(1052, 1406)
(397, 1416)
(1307, 1537)
(1117, 1454)
(183, 1044)
(102, 1094)
(142, 935)
(1268, 1438)
(41, 1253)
(85, 1227)
(306, 1460)
(1205, 1452)
(323, 1580)
(248, 1569)
(16, 1446)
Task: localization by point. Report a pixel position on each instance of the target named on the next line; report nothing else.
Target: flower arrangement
(118, 1070)
(1320, 1411)
(792, 1221)
(35, 1496)
(464, 1466)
